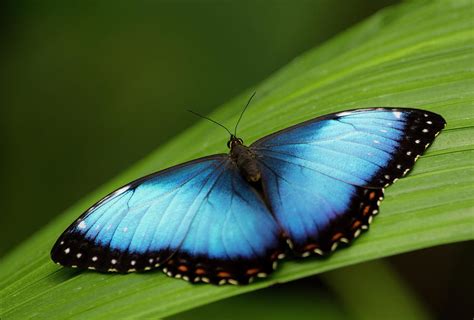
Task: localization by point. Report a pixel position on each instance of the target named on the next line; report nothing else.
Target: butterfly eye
(241, 141)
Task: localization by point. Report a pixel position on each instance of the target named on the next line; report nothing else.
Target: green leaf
(365, 291)
(418, 54)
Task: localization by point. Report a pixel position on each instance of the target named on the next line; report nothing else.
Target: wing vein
(312, 169)
(238, 222)
(200, 205)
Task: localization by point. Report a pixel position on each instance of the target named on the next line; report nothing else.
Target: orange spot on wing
(337, 236)
(366, 210)
(253, 271)
(200, 271)
(310, 246)
(372, 195)
(183, 268)
(356, 224)
(223, 274)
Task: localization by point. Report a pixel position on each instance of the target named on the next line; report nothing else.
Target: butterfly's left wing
(324, 178)
(199, 221)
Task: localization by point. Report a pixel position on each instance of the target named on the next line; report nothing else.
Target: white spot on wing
(345, 113)
(121, 190)
(397, 114)
(274, 265)
(82, 225)
(318, 251)
(232, 281)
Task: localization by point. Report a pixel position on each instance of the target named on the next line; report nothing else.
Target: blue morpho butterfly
(228, 218)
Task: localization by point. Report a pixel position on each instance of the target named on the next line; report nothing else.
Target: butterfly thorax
(244, 159)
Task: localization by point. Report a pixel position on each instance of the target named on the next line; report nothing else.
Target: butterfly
(229, 218)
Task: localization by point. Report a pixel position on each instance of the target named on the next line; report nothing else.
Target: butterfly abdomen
(245, 161)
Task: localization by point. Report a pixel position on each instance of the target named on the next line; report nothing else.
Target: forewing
(324, 178)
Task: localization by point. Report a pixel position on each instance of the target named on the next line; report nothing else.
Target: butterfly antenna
(213, 121)
(242, 113)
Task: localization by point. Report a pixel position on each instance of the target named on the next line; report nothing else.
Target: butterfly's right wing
(324, 178)
(199, 220)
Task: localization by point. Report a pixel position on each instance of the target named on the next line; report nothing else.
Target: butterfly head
(233, 141)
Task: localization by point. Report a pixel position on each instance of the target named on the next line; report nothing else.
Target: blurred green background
(87, 88)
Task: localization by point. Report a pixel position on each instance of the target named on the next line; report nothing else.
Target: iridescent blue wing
(324, 178)
(200, 221)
